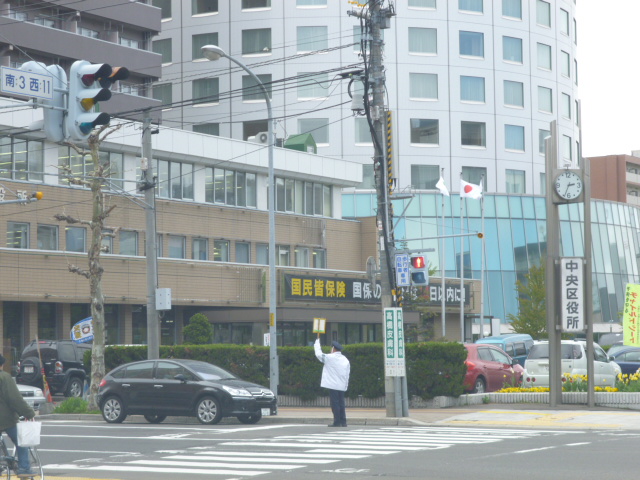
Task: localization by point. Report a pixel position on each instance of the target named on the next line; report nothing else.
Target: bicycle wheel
(36, 465)
(6, 462)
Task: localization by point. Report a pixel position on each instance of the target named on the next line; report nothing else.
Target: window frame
(53, 229)
(470, 41)
(482, 126)
(19, 233)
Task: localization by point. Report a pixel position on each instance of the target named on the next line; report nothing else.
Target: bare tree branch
(70, 220)
(79, 271)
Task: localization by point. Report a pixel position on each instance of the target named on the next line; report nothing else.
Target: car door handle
(125, 385)
(157, 386)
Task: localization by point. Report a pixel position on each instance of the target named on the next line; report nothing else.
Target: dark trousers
(338, 407)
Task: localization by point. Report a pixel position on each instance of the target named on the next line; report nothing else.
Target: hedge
(433, 368)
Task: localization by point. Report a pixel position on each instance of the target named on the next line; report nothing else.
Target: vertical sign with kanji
(572, 294)
(630, 315)
(394, 354)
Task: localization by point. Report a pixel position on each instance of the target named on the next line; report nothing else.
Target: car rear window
(567, 351)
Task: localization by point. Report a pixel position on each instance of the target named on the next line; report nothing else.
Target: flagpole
(461, 268)
(482, 267)
(442, 268)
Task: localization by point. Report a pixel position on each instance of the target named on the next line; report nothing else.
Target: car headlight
(38, 393)
(237, 392)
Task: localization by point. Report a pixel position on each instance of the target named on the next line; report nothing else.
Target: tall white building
(472, 84)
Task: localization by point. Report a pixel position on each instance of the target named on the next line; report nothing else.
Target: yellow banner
(630, 318)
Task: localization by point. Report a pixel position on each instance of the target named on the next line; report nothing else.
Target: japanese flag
(442, 187)
(469, 190)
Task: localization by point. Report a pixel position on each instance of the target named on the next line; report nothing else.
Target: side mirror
(181, 377)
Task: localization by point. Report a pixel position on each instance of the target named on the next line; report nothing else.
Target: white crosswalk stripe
(290, 452)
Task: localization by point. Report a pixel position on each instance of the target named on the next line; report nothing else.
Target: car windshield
(541, 350)
(208, 371)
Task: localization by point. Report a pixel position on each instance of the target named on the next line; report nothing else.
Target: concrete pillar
(31, 321)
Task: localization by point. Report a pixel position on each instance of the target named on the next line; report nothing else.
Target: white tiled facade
(476, 39)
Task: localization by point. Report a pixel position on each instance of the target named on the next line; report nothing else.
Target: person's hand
(317, 341)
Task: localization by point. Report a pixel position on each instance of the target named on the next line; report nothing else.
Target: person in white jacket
(335, 377)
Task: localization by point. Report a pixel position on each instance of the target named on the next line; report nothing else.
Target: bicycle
(9, 463)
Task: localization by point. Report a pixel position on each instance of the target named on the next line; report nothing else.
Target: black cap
(336, 345)
(2, 360)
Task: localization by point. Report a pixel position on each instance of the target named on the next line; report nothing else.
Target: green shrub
(73, 405)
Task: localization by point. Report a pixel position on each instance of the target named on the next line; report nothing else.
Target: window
(512, 49)
(45, 22)
(306, 198)
(302, 256)
(230, 187)
(71, 163)
(544, 56)
(87, 32)
(423, 40)
(424, 177)
(565, 64)
(422, 3)
(318, 127)
(545, 101)
(164, 94)
(253, 127)
(514, 138)
(470, 5)
(475, 175)
(199, 249)
(220, 250)
(313, 85)
(75, 238)
(543, 183)
(283, 255)
(175, 180)
(256, 41)
(47, 237)
(542, 136)
(310, 3)
(425, 131)
(566, 149)
(319, 258)
(251, 90)
(165, 7)
(128, 243)
(357, 39)
(206, 90)
(577, 107)
(575, 31)
(474, 134)
(207, 128)
(199, 41)
(575, 70)
(159, 246)
(17, 235)
(363, 133)
(21, 159)
(472, 44)
(566, 105)
(312, 38)
(129, 42)
(262, 254)
(248, 4)
(368, 178)
(471, 89)
(423, 86)
(199, 7)
(512, 9)
(177, 246)
(113, 164)
(543, 13)
(513, 94)
(243, 252)
(163, 47)
(564, 21)
(107, 241)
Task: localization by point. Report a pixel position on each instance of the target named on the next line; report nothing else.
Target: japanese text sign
(394, 357)
(572, 303)
(28, 84)
(630, 315)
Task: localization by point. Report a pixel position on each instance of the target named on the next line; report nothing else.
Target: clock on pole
(569, 185)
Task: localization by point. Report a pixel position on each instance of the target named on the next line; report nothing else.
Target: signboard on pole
(630, 315)
(402, 270)
(572, 294)
(82, 331)
(319, 325)
(27, 84)
(394, 354)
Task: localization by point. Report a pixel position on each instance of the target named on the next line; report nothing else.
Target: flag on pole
(442, 187)
(469, 190)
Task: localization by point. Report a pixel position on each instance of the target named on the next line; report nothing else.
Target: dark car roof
(626, 350)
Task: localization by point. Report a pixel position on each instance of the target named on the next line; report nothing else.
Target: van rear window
(567, 351)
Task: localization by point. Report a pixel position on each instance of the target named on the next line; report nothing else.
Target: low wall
(602, 399)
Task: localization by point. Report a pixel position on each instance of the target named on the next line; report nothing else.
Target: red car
(490, 369)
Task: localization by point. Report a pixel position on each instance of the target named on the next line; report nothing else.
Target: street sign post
(27, 84)
(572, 294)
(402, 270)
(394, 364)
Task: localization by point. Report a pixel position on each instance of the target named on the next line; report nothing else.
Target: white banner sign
(394, 356)
(572, 294)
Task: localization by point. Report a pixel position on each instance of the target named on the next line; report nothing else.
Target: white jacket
(335, 374)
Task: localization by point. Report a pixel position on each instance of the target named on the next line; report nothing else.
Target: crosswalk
(291, 452)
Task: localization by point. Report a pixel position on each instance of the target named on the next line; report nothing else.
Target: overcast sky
(609, 75)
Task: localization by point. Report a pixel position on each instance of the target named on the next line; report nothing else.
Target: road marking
(173, 463)
(147, 469)
(247, 458)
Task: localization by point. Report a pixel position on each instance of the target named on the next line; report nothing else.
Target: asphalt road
(140, 451)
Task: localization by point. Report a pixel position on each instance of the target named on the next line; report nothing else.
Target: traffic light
(419, 272)
(89, 84)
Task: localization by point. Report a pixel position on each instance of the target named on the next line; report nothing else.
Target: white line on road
(147, 469)
(211, 464)
(221, 458)
(338, 448)
(274, 454)
(535, 449)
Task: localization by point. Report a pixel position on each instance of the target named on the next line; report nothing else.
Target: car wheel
(250, 418)
(480, 386)
(155, 418)
(113, 410)
(74, 389)
(208, 411)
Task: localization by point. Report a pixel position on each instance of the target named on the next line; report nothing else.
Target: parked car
(161, 388)
(516, 345)
(489, 369)
(32, 395)
(574, 361)
(63, 365)
(628, 358)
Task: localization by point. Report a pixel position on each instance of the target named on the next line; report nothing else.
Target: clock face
(568, 185)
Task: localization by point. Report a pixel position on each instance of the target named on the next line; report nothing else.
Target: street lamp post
(213, 52)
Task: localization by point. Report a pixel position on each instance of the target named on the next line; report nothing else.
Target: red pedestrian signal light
(419, 272)
(417, 262)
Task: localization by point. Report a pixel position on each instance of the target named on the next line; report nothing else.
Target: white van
(574, 361)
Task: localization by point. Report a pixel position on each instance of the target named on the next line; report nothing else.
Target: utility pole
(148, 185)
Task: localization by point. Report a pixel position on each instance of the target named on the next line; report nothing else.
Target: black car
(161, 388)
(628, 358)
(63, 362)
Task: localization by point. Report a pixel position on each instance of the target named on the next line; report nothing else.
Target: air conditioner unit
(260, 137)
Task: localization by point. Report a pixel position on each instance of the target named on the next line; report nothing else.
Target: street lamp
(213, 52)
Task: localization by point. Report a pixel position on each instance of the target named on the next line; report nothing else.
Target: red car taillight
(103, 382)
(470, 365)
(59, 367)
